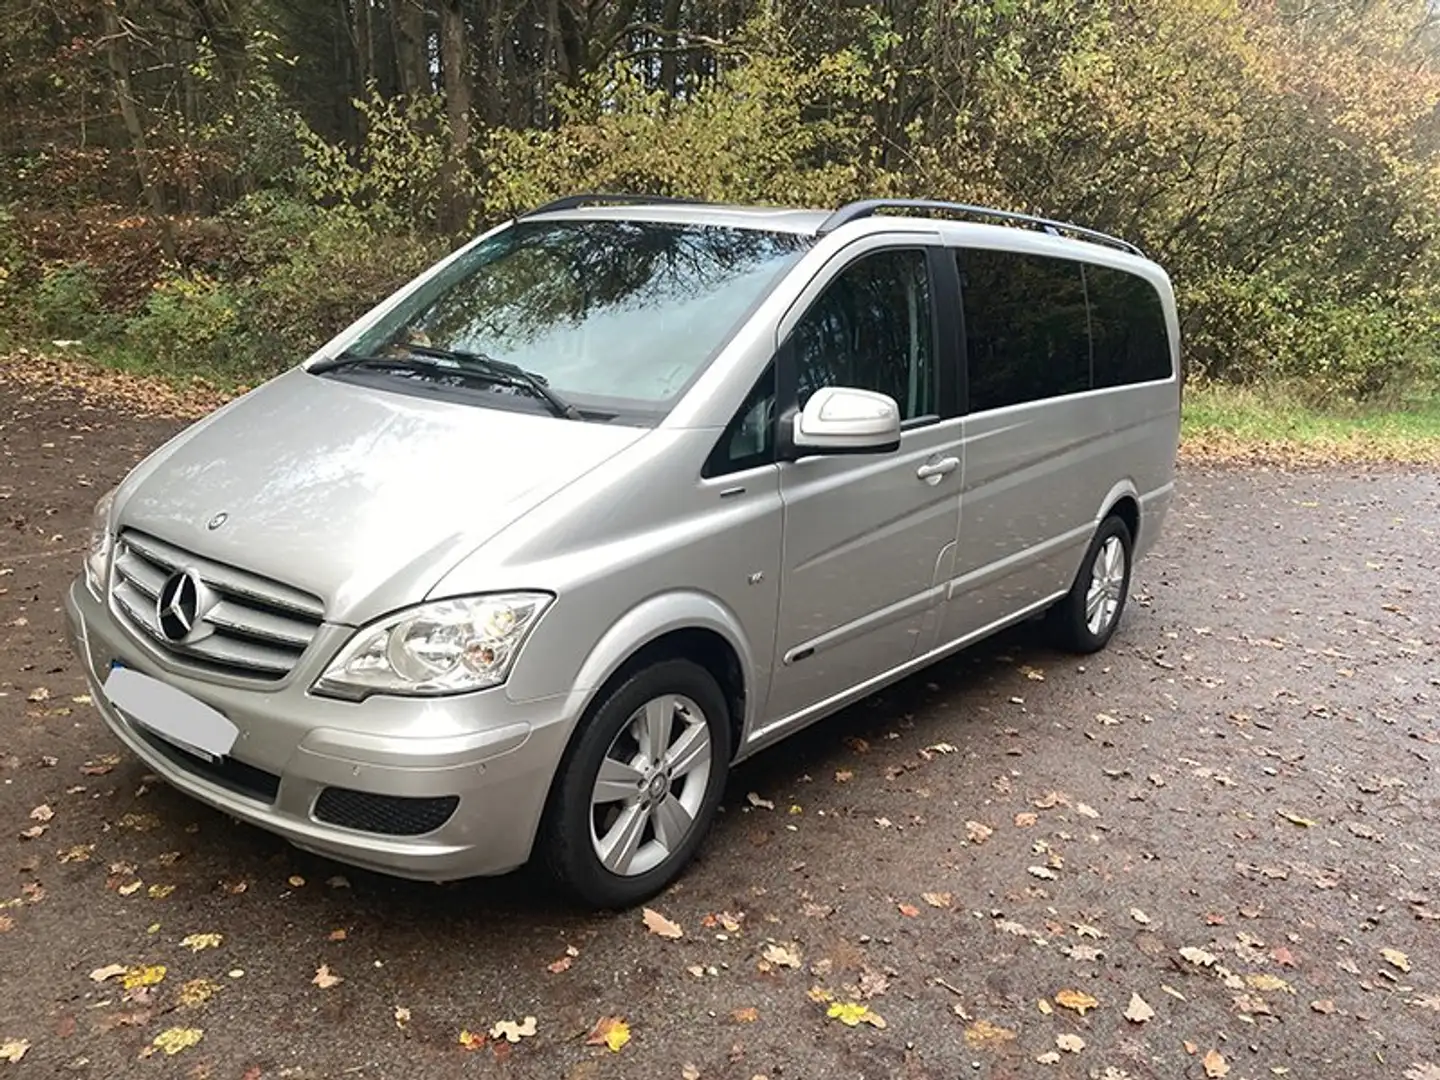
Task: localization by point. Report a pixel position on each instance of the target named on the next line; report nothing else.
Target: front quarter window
(612, 315)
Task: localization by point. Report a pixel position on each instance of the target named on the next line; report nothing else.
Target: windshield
(612, 315)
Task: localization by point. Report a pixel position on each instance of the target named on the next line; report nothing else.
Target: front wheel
(639, 786)
(1085, 619)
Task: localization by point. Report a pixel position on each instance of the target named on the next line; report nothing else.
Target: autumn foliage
(215, 188)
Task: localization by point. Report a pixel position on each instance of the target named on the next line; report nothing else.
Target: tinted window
(1127, 328)
(871, 329)
(749, 440)
(1025, 327)
(624, 313)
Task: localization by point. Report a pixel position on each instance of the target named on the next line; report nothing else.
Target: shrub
(66, 303)
(190, 325)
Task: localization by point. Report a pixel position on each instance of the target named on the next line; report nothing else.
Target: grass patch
(1223, 423)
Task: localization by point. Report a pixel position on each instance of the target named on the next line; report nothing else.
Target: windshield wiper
(431, 359)
(513, 373)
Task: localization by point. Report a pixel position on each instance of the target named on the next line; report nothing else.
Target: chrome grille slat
(254, 628)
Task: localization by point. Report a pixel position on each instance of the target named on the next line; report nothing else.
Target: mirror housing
(846, 420)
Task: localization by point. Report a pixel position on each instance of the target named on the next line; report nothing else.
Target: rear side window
(1026, 329)
(1127, 327)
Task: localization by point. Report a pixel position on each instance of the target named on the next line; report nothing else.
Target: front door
(868, 539)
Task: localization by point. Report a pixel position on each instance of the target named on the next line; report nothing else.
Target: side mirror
(844, 420)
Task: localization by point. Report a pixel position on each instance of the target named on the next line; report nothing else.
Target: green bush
(191, 325)
(66, 303)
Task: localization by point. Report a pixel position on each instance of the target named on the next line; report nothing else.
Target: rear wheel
(1085, 620)
(640, 786)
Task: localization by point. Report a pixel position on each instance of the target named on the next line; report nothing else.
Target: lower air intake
(388, 815)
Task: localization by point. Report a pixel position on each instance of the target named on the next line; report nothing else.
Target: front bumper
(496, 756)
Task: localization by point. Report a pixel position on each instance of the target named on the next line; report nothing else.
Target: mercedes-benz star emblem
(178, 605)
(218, 520)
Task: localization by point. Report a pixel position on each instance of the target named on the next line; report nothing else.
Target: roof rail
(601, 198)
(869, 207)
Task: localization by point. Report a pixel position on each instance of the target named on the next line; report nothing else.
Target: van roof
(923, 213)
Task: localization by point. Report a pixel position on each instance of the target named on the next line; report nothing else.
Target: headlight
(446, 647)
(97, 555)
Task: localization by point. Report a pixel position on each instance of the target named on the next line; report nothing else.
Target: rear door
(869, 538)
(1032, 432)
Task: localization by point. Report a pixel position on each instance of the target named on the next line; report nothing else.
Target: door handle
(933, 472)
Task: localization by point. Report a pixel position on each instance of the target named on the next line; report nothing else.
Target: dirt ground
(1210, 851)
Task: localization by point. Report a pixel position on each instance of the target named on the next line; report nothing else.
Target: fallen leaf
(843, 776)
(78, 853)
(560, 966)
(197, 992)
(130, 889)
(941, 748)
(173, 1040)
(1296, 819)
(853, 1013)
(1139, 916)
(1071, 1044)
(109, 971)
(1084, 953)
(402, 1017)
(197, 942)
(160, 892)
(38, 695)
(982, 1034)
(873, 983)
(1042, 872)
(42, 813)
(748, 1015)
(339, 934)
(1396, 959)
(937, 899)
(1138, 1011)
(1025, 819)
(470, 1040)
(1077, 1000)
(34, 832)
(1282, 956)
(1324, 1006)
(146, 975)
(761, 804)
(12, 1050)
(1046, 1009)
(1215, 1064)
(513, 1032)
(689, 1071)
(659, 925)
(978, 832)
(1429, 1001)
(1086, 810)
(1422, 1071)
(1050, 1057)
(1198, 956)
(295, 881)
(909, 910)
(1263, 980)
(781, 955)
(325, 979)
(611, 1031)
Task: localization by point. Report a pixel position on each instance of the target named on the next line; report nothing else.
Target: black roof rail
(869, 207)
(602, 198)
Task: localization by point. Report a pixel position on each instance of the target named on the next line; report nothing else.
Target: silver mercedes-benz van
(616, 495)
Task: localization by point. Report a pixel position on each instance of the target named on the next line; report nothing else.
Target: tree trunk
(455, 70)
(117, 55)
(410, 52)
(670, 59)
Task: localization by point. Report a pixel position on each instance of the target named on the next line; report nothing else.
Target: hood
(364, 497)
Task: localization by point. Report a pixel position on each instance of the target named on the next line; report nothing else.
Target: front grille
(390, 815)
(230, 774)
(254, 627)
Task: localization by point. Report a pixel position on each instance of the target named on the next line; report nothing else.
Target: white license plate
(171, 713)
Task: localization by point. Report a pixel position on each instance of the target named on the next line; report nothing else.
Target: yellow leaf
(1075, 999)
(1296, 819)
(1395, 958)
(854, 1013)
(159, 892)
(471, 1040)
(820, 995)
(937, 899)
(197, 942)
(659, 925)
(611, 1031)
(1263, 980)
(748, 1015)
(197, 992)
(173, 1040)
(982, 1033)
(12, 1050)
(144, 976)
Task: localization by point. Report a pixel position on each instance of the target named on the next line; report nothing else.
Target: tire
(645, 835)
(1072, 623)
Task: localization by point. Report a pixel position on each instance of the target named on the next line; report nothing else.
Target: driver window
(871, 329)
